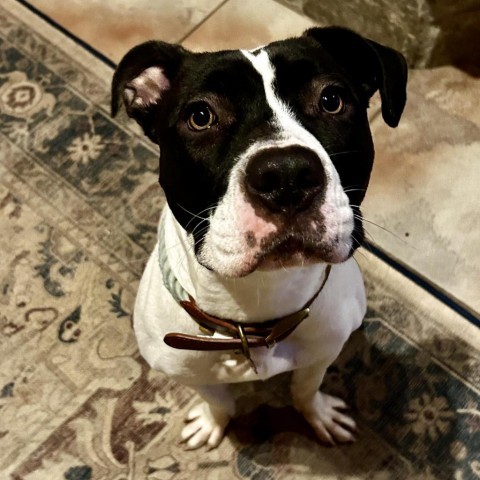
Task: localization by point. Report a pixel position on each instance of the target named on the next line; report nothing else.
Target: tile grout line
(198, 25)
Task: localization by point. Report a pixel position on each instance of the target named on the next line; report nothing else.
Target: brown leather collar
(243, 335)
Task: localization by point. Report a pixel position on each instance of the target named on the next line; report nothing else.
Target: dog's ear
(377, 67)
(143, 78)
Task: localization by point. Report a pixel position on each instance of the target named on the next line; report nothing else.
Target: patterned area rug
(79, 203)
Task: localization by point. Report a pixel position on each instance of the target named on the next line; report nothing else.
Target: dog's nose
(285, 179)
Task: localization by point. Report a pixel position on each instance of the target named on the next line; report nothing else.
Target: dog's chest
(310, 343)
(313, 341)
(233, 367)
(333, 316)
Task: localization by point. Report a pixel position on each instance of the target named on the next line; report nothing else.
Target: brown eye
(331, 101)
(200, 117)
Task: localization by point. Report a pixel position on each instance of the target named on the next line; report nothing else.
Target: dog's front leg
(323, 412)
(207, 421)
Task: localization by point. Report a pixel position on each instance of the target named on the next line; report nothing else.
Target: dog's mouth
(282, 251)
(301, 245)
(294, 251)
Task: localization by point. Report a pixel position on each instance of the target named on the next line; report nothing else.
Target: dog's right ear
(375, 66)
(142, 79)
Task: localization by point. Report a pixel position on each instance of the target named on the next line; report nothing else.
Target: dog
(265, 158)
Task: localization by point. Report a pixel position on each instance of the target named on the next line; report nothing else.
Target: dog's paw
(326, 415)
(206, 426)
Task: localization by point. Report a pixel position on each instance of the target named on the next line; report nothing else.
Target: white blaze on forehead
(261, 63)
(285, 119)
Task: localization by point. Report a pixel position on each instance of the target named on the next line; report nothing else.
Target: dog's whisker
(196, 215)
(370, 237)
(398, 237)
(208, 209)
(359, 252)
(201, 226)
(201, 234)
(188, 211)
(359, 244)
(199, 215)
(346, 152)
(350, 190)
(201, 223)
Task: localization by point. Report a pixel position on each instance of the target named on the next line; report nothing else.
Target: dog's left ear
(377, 67)
(143, 80)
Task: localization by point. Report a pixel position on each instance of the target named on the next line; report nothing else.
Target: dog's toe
(195, 412)
(191, 429)
(345, 421)
(325, 415)
(340, 433)
(215, 438)
(206, 427)
(198, 439)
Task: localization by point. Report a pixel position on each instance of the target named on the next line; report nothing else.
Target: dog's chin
(282, 255)
(293, 253)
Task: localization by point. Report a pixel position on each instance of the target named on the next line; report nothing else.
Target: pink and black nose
(285, 180)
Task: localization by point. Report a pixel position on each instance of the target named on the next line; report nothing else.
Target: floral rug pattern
(78, 209)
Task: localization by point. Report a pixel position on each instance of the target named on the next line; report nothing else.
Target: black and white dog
(265, 158)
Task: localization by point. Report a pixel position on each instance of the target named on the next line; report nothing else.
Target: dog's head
(265, 155)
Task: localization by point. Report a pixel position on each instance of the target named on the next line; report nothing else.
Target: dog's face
(265, 156)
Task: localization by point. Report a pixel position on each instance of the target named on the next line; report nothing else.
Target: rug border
(451, 322)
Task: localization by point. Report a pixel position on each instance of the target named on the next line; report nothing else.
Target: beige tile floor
(112, 27)
(240, 24)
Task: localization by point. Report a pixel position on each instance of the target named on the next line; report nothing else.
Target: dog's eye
(331, 101)
(200, 117)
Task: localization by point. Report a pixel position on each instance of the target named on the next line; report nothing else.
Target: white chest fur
(337, 312)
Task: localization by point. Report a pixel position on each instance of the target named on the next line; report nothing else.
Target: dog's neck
(259, 296)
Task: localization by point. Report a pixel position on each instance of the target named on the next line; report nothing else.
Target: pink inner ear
(146, 89)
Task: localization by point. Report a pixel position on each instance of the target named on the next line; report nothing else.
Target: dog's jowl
(265, 157)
